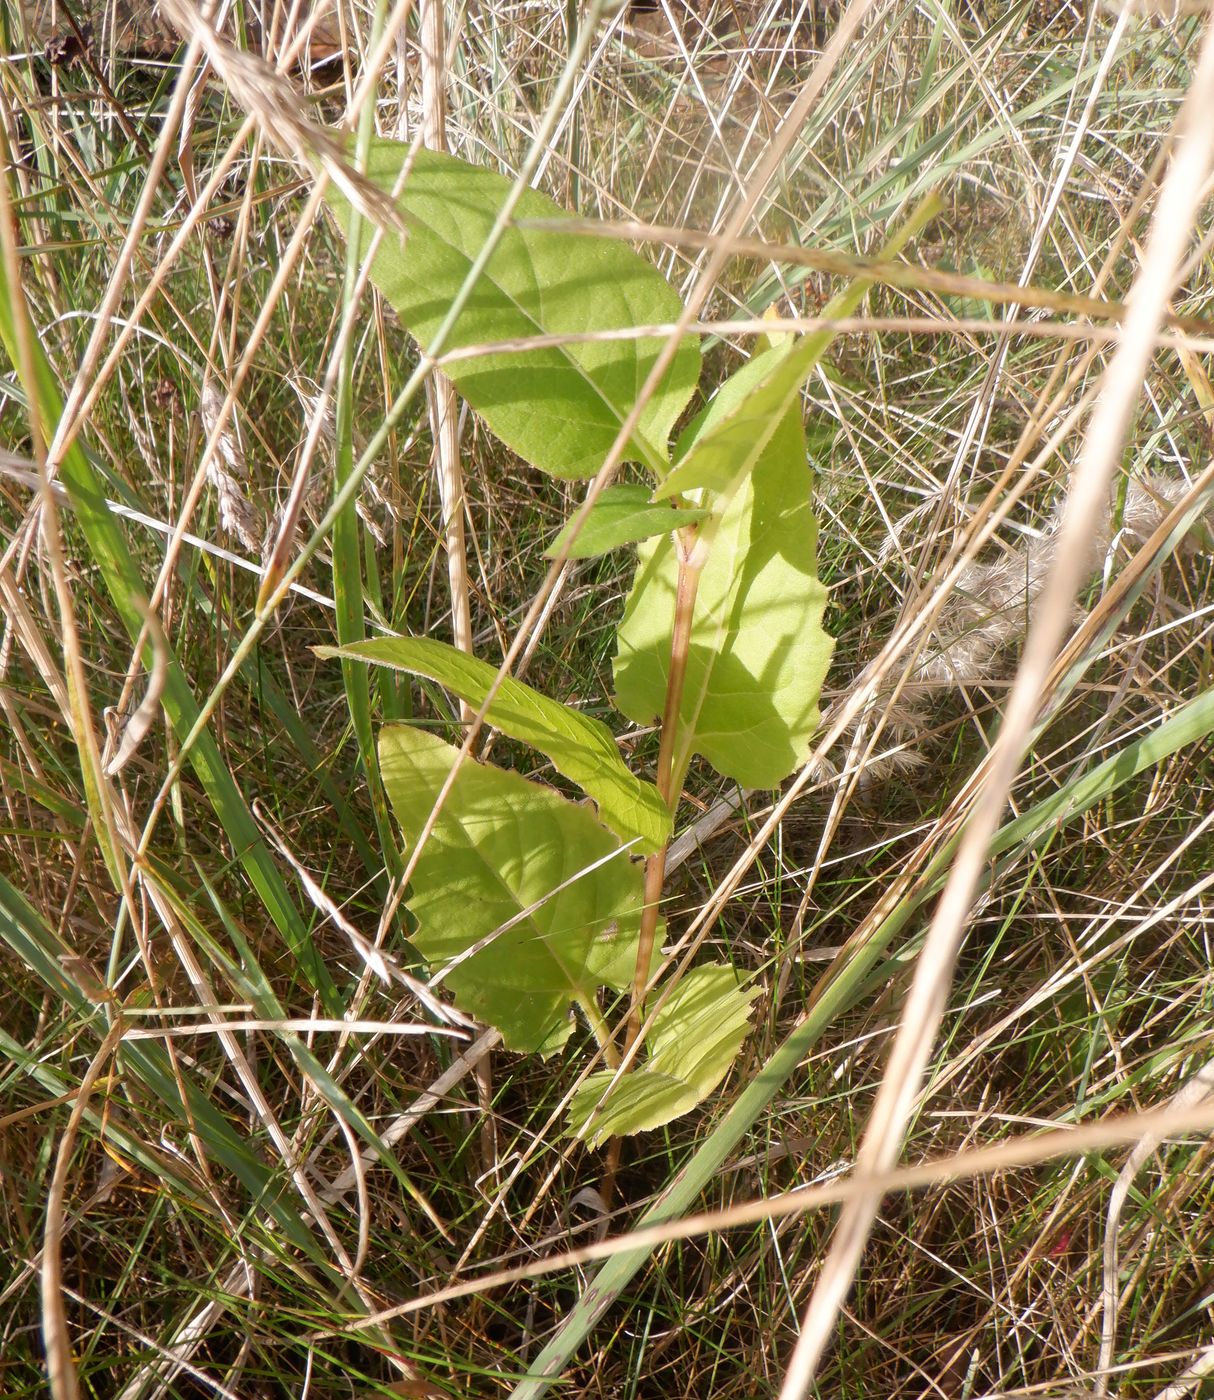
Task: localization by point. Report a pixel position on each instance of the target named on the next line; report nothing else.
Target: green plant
(528, 902)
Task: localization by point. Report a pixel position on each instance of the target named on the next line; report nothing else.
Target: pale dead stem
(1197, 1091)
(279, 576)
(267, 94)
(758, 179)
(1027, 1150)
(285, 1149)
(1098, 934)
(444, 406)
(1121, 384)
(77, 713)
(61, 1370)
(932, 608)
(1144, 511)
(444, 426)
(731, 881)
(539, 621)
(102, 806)
(862, 695)
(977, 424)
(16, 470)
(904, 275)
(191, 1335)
(841, 325)
(1191, 1377)
(90, 381)
(271, 598)
(131, 730)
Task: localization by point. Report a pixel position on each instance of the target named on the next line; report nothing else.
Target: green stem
(599, 1029)
(349, 596)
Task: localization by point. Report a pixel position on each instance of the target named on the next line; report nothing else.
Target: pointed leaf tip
(559, 407)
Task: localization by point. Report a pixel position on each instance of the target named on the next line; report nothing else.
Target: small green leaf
(520, 868)
(695, 1038)
(730, 436)
(723, 445)
(622, 515)
(758, 650)
(561, 407)
(580, 747)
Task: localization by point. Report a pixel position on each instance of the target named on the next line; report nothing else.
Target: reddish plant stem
(670, 771)
(670, 784)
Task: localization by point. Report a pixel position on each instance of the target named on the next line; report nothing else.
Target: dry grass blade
(1121, 384)
(444, 404)
(269, 97)
(906, 276)
(137, 725)
(399, 1129)
(1016, 1152)
(1197, 1091)
(61, 1370)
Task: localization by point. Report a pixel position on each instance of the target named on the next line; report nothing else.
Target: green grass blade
(144, 1061)
(1188, 725)
(112, 556)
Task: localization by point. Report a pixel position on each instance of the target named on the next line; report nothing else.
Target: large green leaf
(758, 652)
(560, 408)
(622, 515)
(580, 747)
(506, 851)
(695, 1038)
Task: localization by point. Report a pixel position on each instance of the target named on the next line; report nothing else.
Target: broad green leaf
(579, 746)
(758, 653)
(695, 1038)
(561, 407)
(506, 851)
(622, 515)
